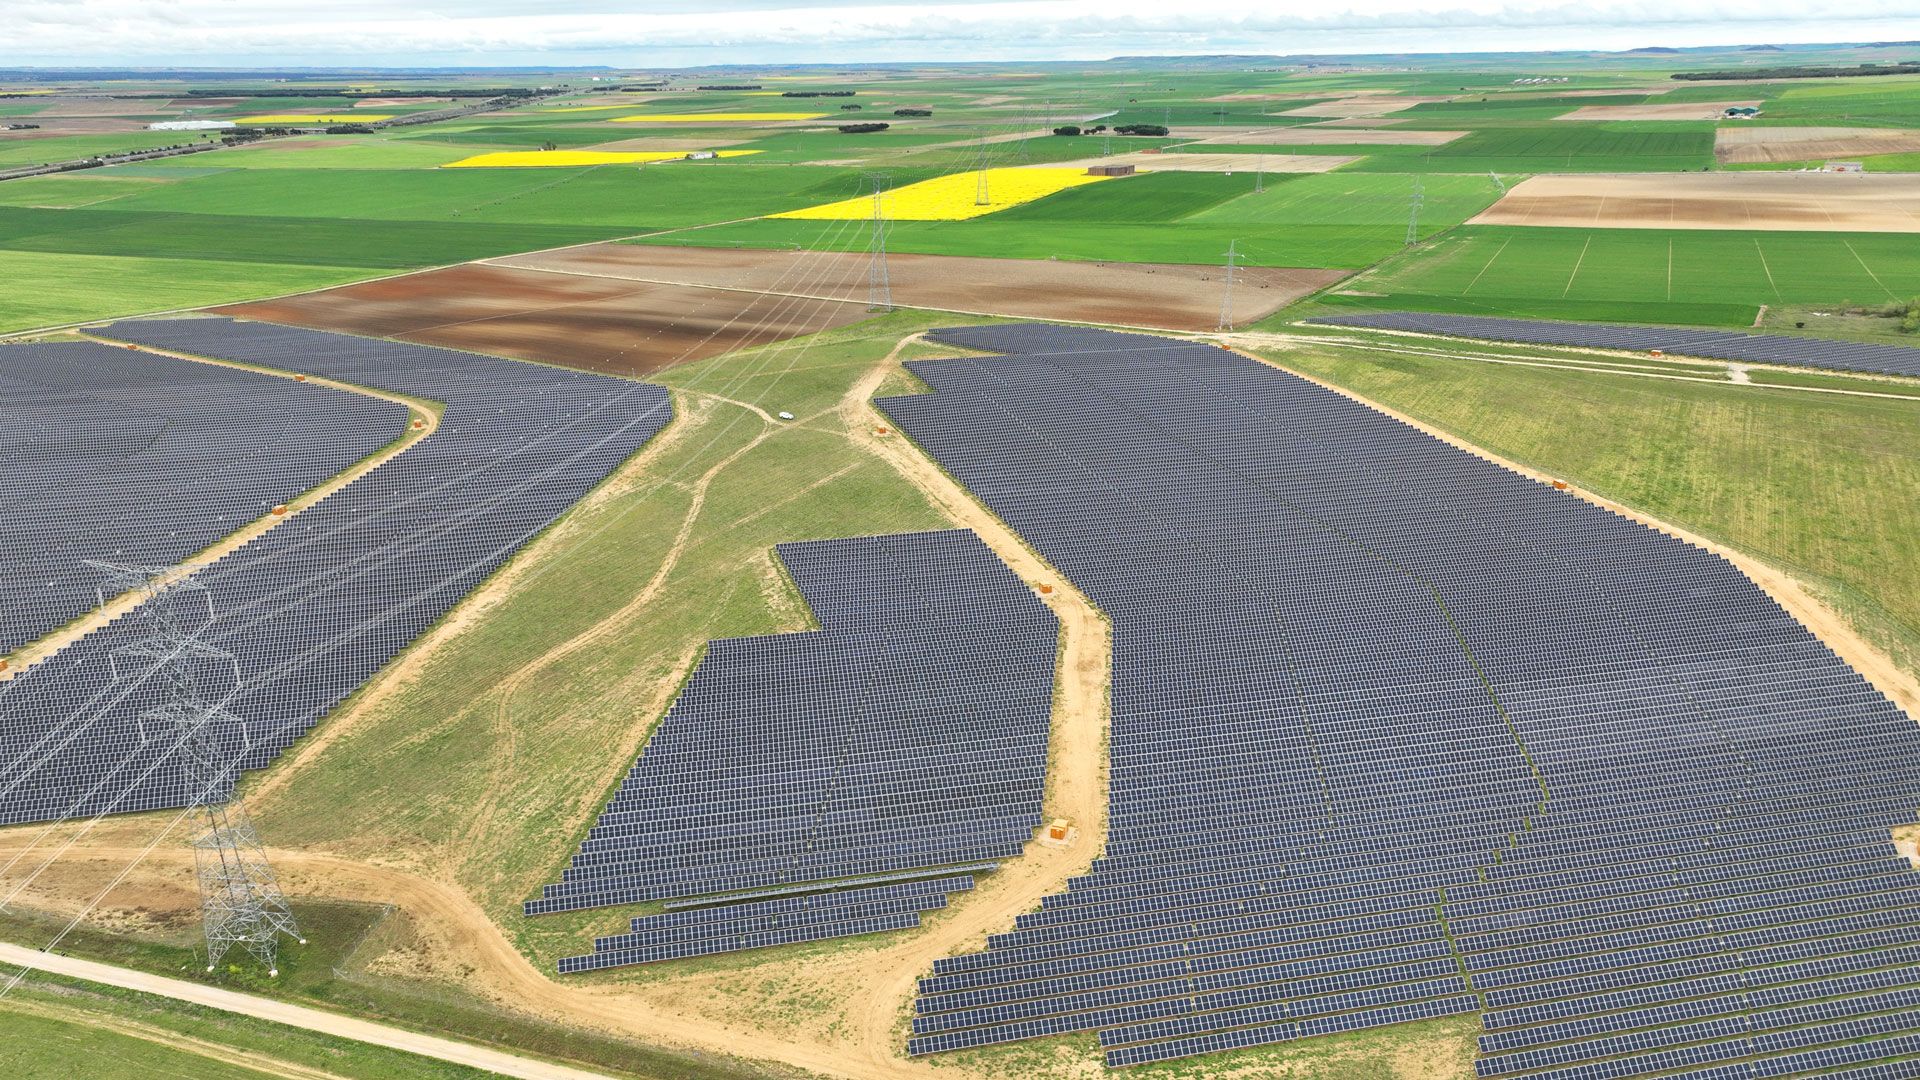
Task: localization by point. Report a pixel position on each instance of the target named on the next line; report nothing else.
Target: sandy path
(1826, 624)
(1076, 767)
(347, 1027)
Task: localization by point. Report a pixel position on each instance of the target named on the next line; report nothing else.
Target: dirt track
(684, 1015)
(1160, 295)
(1779, 201)
(1184, 161)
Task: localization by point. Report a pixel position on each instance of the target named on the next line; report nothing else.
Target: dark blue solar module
(1399, 734)
(316, 606)
(1712, 344)
(133, 458)
(909, 731)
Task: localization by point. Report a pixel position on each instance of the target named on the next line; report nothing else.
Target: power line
(1226, 292)
(240, 900)
(879, 288)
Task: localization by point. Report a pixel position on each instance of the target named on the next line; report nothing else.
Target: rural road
(281, 1012)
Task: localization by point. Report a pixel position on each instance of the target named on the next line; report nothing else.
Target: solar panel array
(1712, 344)
(816, 916)
(139, 459)
(909, 731)
(315, 607)
(1399, 734)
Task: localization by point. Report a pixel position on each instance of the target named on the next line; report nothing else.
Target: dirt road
(280, 1012)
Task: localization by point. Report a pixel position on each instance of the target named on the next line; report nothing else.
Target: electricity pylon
(879, 288)
(1226, 292)
(240, 901)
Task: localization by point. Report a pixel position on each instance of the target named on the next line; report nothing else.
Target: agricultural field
(1688, 276)
(565, 224)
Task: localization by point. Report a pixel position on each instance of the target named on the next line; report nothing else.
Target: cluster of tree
(862, 129)
(641, 89)
(22, 127)
(816, 93)
(1140, 129)
(1905, 67)
(850, 106)
(1907, 311)
(913, 112)
(349, 129)
(1076, 129)
(730, 86)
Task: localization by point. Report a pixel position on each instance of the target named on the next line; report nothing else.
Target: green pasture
(68, 190)
(1564, 146)
(1638, 275)
(67, 287)
(16, 151)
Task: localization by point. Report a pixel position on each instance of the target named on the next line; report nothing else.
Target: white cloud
(230, 32)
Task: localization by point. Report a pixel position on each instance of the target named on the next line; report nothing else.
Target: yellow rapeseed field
(315, 118)
(715, 117)
(955, 197)
(549, 159)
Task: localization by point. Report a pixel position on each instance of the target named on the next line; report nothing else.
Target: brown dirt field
(1181, 161)
(1787, 202)
(596, 323)
(1159, 295)
(1321, 135)
(1361, 105)
(1673, 110)
(1741, 145)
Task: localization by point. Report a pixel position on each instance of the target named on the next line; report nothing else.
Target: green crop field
(81, 288)
(1652, 275)
(1566, 146)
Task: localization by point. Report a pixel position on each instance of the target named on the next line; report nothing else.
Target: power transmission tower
(980, 187)
(1260, 174)
(240, 901)
(1226, 292)
(879, 289)
(1106, 146)
(1497, 182)
(1413, 212)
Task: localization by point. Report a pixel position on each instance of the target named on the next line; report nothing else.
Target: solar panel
(1384, 713)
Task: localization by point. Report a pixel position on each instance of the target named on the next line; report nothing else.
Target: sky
(685, 33)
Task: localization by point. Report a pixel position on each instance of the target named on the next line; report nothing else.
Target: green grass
(68, 190)
(331, 973)
(16, 152)
(77, 288)
(1824, 485)
(54, 1026)
(1157, 198)
(1565, 146)
(1649, 275)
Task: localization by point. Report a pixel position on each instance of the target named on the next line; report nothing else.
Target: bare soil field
(1672, 110)
(1789, 202)
(1181, 161)
(1360, 122)
(596, 323)
(1161, 295)
(1321, 135)
(1361, 105)
(1743, 145)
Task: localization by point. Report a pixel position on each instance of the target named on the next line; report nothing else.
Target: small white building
(191, 125)
(1844, 166)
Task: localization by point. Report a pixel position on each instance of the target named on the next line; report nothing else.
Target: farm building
(1741, 112)
(1109, 170)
